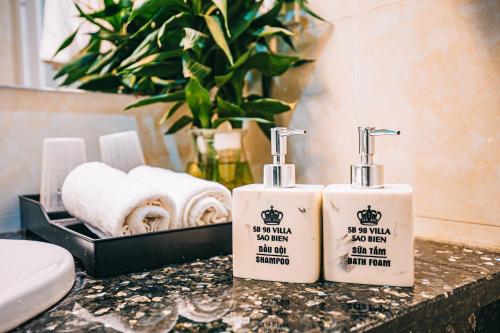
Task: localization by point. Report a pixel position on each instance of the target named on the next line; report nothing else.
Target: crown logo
(369, 216)
(271, 216)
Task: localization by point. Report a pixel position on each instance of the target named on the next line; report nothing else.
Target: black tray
(117, 255)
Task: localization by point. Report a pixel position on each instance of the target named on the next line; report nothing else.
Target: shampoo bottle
(368, 226)
(277, 225)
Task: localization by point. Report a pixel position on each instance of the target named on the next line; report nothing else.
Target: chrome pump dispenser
(368, 225)
(366, 174)
(277, 224)
(280, 174)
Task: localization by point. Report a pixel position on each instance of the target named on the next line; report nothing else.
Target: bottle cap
(366, 174)
(280, 174)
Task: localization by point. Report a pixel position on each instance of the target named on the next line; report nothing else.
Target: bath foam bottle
(368, 225)
(277, 225)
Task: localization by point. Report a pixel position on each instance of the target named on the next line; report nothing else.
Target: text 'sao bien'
(371, 238)
(272, 239)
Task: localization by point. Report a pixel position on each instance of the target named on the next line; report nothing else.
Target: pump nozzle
(280, 174)
(279, 137)
(366, 174)
(367, 142)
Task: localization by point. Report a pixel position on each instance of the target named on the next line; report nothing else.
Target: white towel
(198, 201)
(112, 204)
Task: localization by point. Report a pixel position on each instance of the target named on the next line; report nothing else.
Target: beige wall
(429, 68)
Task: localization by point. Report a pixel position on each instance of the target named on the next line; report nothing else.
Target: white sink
(33, 277)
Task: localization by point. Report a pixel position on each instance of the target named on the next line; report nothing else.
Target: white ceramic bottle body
(277, 233)
(368, 235)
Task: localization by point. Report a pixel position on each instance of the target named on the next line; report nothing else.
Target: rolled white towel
(112, 204)
(198, 201)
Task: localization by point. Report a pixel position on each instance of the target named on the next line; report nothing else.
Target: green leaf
(271, 64)
(125, 3)
(268, 17)
(77, 67)
(102, 83)
(102, 61)
(112, 13)
(168, 85)
(161, 61)
(269, 105)
(196, 6)
(170, 97)
(244, 57)
(286, 38)
(219, 121)
(144, 61)
(191, 68)
(234, 87)
(149, 8)
(269, 31)
(218, 36)
(305, 7)
(198, 99)
(165, 69)
(192, 39)
(222, 6)
(89, 18)
(110, 36)
(145, 47)
(179, 124)
(221, 80)
(66, 42)
(302, 62)
(145, 85)
(168, 24)
(165, 83)
(94, 45)
(241, 24)
(109, 10)
(129, 81)
(170, 112)
(279, 31)
(227, 109)
(144, 27)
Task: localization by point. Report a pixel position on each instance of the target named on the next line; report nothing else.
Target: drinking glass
(121, 150)
(59, 157)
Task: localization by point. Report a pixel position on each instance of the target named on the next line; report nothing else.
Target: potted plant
(198, 53)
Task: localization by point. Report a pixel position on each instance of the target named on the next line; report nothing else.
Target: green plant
(198, 52)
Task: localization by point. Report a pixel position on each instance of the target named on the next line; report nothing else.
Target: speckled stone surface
(456, 288)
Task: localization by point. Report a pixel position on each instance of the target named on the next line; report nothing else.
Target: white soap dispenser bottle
(368, 225)
(277, 225)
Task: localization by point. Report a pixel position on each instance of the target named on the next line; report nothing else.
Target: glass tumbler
(59, 157)
(121, 150)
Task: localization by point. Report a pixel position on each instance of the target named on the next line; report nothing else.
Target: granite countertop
(455, 288)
